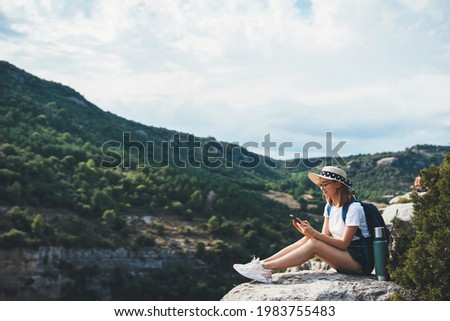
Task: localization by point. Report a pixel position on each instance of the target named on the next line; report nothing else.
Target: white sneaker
(255, 271)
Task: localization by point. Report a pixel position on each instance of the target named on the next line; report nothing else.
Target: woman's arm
(325, 226)
(349, 233)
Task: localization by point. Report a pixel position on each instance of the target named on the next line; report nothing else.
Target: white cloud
(240, 69)
(415, 5)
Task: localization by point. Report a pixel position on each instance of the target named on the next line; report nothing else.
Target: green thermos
(380, 252)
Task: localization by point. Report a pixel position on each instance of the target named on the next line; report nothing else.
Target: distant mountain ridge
(76, 127)
(15, 81)
(96, 127)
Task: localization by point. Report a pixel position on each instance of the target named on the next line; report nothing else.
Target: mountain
(77, 178)
(375, 177)
(50, 121)
(77, 181)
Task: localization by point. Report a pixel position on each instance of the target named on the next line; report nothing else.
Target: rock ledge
(317, 286)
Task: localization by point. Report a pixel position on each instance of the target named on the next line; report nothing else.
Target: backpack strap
(345, 208)
(344, 215)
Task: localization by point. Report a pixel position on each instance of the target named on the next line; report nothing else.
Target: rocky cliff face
(317, 286)
(41, 274)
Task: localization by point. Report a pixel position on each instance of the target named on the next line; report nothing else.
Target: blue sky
(374, 73)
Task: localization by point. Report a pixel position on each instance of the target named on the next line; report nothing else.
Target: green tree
(12, 239)
(426, 261)
(101, 202)
(196, 201)
(145, 239)
(213, 224)
(109, 216)
(38, 225)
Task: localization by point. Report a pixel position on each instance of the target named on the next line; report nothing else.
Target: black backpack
(373, 219)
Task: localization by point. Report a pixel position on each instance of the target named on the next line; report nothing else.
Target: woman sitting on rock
(337, 244)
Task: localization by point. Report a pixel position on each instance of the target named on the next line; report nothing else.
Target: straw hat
(331, 173)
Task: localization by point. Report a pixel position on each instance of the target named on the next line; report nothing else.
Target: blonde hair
(345, 196)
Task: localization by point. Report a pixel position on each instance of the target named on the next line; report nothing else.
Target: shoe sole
(261, 280)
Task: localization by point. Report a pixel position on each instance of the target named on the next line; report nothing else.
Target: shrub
(213, 224)
(200, 249)
(38, 225)
(109, 216)
(12, 239)
(422, 261)
(160, 230)
(145, 239)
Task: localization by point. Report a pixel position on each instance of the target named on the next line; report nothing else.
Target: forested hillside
(53, 155)
(375, 177)
(54, 191)
(71, 175)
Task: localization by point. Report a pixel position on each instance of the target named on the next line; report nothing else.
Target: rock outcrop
(400, 207)
(401, 199)
(317, 286)
(40, 274)
(388, 161)
(402, 211)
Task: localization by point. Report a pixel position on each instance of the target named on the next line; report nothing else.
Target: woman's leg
(287, 250)
(338, 259)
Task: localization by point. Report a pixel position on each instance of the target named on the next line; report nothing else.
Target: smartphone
(296, 218)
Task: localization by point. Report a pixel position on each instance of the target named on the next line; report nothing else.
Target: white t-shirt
(355, 217)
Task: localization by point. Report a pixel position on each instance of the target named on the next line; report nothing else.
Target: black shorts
(362, 252)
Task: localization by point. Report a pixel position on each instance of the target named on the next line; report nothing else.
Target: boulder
(401, 198)
(405, 198)
(387, 161)
(403, 211)
(317, 286)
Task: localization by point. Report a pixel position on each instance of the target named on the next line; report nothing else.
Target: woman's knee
(318, 247)
(314, 243)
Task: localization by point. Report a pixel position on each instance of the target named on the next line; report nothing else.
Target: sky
(375, 74)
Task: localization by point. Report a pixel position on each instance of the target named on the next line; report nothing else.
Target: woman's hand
(309, 231)
(304, 228)
(305, 223)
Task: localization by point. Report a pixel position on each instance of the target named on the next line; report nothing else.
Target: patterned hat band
(332, 173)
(336, 177)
